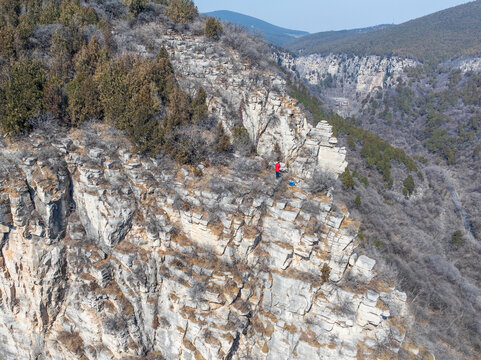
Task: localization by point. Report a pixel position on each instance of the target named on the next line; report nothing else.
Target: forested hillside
(428, 236)
(434, 38)
(59, 64)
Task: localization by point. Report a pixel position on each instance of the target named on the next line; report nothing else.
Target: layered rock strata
(243, 94)
(105, 255)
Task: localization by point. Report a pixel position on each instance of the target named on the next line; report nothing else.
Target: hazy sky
(322, 15)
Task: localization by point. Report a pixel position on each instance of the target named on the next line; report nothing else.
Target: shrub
(163, 75)
(357, 201)
(136, 6)
(22, 96)
(310, 207)
(222, 140)
(364, 180)
(83, 96)
(182, 11)
(90, 15)
(251, 47)
(82, 100)
(213, 28)
(70, 12)
(350, 142)
(55, 97)
(457, 239)
(242, 141)
(199, 107)
(347, 180)
(325, 272)
(321, 181)
(408, 188)
(179, 109)
(129, 101)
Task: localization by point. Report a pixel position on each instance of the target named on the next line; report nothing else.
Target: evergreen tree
(213, 28)
(83, 96)
(182, 11)
(408, 188)
(23, 96)
(199, 106)
(347, 180)
(222, 140)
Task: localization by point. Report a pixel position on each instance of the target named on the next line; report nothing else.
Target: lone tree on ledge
(213, 28)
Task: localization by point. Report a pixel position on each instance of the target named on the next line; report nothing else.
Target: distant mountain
(306, 43)
(433, 38)
(273, 34)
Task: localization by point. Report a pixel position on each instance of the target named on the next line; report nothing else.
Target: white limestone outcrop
(145, 260)
(241, 94)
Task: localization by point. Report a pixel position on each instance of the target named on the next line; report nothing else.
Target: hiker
(278, 169)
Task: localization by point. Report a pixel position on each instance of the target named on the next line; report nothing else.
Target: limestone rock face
(107, 255)
(242, 94)
(362, 73)
(465, 64)
(347, 80)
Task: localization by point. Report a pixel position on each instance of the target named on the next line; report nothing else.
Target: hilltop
(272, 33)
(433, 38)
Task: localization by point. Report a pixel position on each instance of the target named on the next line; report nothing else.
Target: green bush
(457, 239)
(199, 106)
(163, 75)
(213, 28)
(55, 96)
(136, 6)
(70, 13)
(222, 140)
(439, 142)
(22, 94)
(364, 180)
(347, 180)
(408, 188)
(350, 142)
(129, 100)
(7, 41)
(82, 91)
(181, 11)
(357, 201)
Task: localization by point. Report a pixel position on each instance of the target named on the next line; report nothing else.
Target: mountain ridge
(432, 38)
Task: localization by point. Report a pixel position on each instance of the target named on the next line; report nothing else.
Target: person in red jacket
(278, 169)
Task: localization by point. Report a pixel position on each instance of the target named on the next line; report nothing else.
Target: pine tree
(199, 106)
(408, 188)
(23, 96)
(347, 180)
(213, 28)
(182, 11)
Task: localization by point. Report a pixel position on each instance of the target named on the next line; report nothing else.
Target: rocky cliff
(109, 255)
(346, 80)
